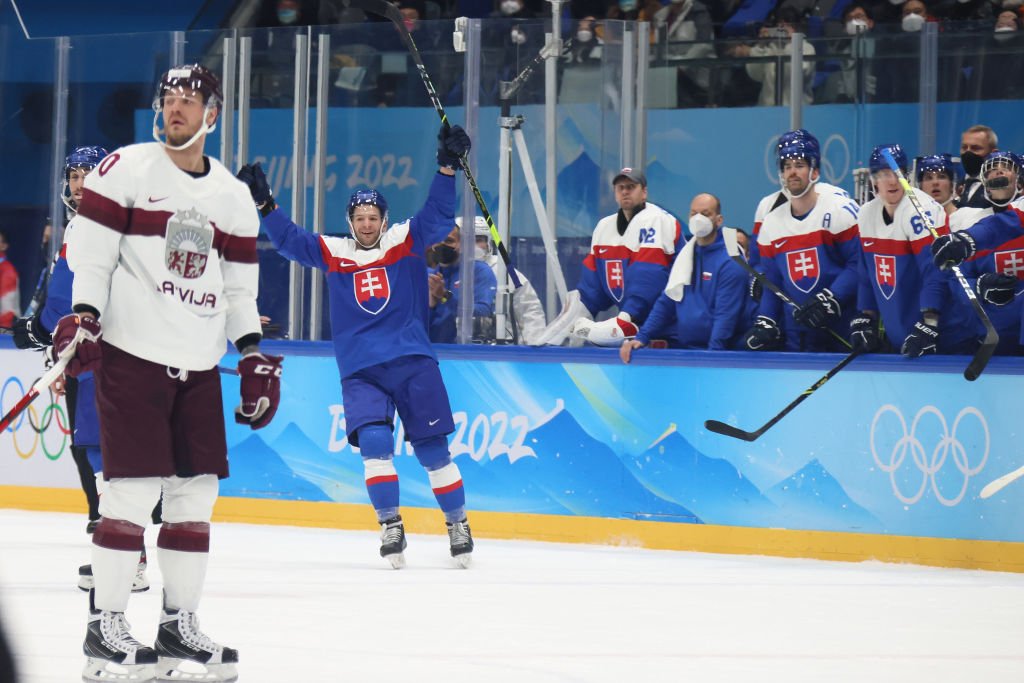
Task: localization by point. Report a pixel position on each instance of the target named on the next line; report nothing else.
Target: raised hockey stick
(988, 345)
(383, 8)
(1002, 482)
(737, 433)
(48, 378)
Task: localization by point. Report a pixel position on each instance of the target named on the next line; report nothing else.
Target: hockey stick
(737, 433)
(48, 378)
(385, 9)
(1002, 482)
(988, 345)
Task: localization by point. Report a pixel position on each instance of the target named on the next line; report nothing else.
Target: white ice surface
(305, 605)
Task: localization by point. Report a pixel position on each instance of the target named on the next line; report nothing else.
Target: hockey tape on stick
(1002, 482)
(737, 433)
(988, 345)
(385, 9)
(48, 378)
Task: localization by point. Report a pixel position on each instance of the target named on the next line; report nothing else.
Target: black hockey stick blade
(982, 356)
(737, 433)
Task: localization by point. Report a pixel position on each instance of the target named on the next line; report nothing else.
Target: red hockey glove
(78, 337)
(260, 376)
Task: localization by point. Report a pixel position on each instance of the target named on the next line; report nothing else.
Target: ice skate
(187, 654)
(140, 583)
(392, 541)
(112, 653)
(461, 540)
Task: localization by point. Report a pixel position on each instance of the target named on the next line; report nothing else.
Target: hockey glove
(994, 288)
(260, 376)
(29, 333)
(765, 335)
(922, 340)
(953, 249)
(611, 332)
(864, 334)
(78, 337)
(452, 143)
(252, 175)
(822, 309)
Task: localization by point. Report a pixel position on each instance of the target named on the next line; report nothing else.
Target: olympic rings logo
(948, 447)
(39, 421)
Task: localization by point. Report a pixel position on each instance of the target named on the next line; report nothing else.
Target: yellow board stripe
(822, 545)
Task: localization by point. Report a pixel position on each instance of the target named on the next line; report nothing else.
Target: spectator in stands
(445, 286)
(704, 305)
(976, 143)
(914, 15)
(278, 13)
(587, 44)
(1004, 59)
(775, 38)
(855, 80)
(685, 25)
(10, 297)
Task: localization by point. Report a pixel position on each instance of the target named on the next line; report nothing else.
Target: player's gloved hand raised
(77, 336)
(260, 376)
(252, 175)
(953, 249)
(995, 288)
(922, 340)
(864, 335)
(29, 333)
(820, 310)
(452, 143)
(764, 335)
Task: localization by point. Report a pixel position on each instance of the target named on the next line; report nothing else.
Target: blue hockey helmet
(83, 157)
(937, 163)
(798, 134)
(878, 163)
(371, 197)
(806, 148)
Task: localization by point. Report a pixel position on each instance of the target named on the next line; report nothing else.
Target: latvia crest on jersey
(803, 268)
(372, 289)
(187, 245)
(885, 274)
(1010, 263)
(613, 278)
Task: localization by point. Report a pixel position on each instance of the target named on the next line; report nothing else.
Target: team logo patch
(803, 268)
(885, 274)
(372, 289)
(187, 245)
(1010, 263)
(613, 278)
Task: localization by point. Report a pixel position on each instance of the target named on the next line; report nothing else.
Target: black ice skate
(187, 654)
(112, 653)
(461, 540)
(140, 583)
(392, 541)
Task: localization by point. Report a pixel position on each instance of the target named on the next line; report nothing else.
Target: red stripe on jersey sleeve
(653, 255)
(788, 243)
(889, 247)
(590, 263)
(850, 233)
(104, 211)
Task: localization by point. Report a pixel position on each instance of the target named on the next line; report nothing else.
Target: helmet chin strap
(789, 195)
(203, 130)
(380, 235)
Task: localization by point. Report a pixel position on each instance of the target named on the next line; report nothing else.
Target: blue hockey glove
(864, 334)
(953, 249)
(252, 175)
(764, 335)
(822, 309)
(922, 340)
(994, 288)
(452, 143)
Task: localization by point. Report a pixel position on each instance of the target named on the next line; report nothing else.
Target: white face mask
(510, 6)
(480, 254)
(1004, 33)
(855, 26)
(912, 22)
(700, 225)
(897, 2)
(584, 36)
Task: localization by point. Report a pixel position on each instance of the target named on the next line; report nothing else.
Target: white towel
(681, 274)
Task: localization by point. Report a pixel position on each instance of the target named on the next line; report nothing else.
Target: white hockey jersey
(168, 259)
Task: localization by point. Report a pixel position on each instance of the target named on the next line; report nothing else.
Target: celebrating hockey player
(164, 257)
(809, 249)
(377, 284)
(627, 268)
(899, 286)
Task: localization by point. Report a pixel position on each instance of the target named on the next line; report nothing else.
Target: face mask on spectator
(912, 22)
(584, 35)
(510, 6)
(1004, 33)
(700, 225)
(855, 26)
(287, 16)
(971, 163)
(897, 2)
(627, 5)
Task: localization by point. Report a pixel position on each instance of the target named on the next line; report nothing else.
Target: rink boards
(886, 461)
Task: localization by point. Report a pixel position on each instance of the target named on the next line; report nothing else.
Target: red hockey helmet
(188, 77)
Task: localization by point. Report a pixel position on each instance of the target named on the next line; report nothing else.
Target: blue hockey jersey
(443, 316)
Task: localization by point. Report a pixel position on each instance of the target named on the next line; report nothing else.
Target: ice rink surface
(305, 605)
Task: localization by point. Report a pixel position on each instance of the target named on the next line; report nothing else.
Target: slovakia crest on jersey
(372, 289)
(1010, 263)
(885, 274)
(614, 278)
(187, 245)
(803, 268)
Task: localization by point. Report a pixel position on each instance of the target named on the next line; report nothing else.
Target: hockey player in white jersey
(899, 286)
(165, 257)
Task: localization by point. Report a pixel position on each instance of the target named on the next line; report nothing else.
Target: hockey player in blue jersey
(377, 285)
(446, 288)
(997, 271)
(899, 286)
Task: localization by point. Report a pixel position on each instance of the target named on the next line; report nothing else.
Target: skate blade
(102, 670)
(463, 561)
(85, 583)
(139, 585)
(397, 560)
(171, 669)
